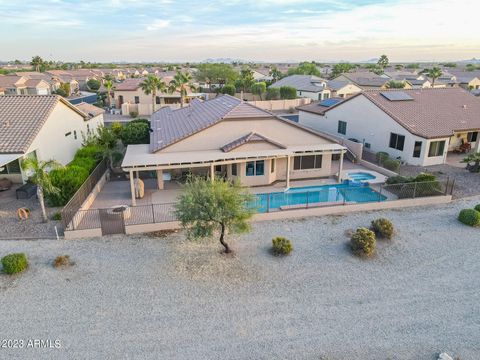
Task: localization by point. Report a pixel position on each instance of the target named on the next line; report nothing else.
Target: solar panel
(396, 95)
(329, 102)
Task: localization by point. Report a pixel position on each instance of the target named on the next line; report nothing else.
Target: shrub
(89, 151)
(14, 263)
(84, 162)
(477, 207)
(93, 84)
(382, 228)
(273, 94)
(288, 92)
(135, 132)
(391, 164)
(398, 180)
(381, 156)
(281, 246)
(116, 128)
(140, 121)
(469, 217)
(229, 90)
(62, 261)
(424, 177)
(57, 216)
(68, 180)
(259, 89)
(363, 241)
(133, 114)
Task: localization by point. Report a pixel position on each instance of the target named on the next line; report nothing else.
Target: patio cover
(6, 158)
(139, 156)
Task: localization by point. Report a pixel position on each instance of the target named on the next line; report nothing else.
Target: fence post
(414, 189)
(153, 214)
(380, 193)
(307, 199)
(344, 196)
(268, 203)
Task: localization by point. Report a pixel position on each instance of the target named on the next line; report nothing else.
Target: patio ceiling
(7, 158)
(138, 156)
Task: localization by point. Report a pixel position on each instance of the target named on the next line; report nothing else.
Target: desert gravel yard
(146, 297)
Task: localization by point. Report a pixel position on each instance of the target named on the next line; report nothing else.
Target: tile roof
(316, 108)
(22, 117)
(365, 78)
(336, 84)
(301, 83)
(169, 126)
(129, 84)
(432, 113)
(90, 110)
(11, 81)
(251, 137)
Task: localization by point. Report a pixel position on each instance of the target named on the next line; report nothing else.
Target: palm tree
(36, 62)
(434, 73)
(109, 86)
(40, 177)
(181, 82)
(151, 85)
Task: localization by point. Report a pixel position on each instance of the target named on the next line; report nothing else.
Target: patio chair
(5, 184)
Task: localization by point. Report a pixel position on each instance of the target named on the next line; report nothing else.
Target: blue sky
(263, 30)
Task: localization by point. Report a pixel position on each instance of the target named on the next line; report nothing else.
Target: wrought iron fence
(70, 210)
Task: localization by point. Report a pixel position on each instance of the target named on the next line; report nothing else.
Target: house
(229, 138)
(469, 80)
(262, 74)
(23, 85)
(416, 126)
(95, 117)
(43, 126)
(365, 80)
(308, 86)
(342, 89)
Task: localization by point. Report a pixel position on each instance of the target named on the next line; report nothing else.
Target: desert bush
(89, 151)
(135, 132)
(133, 114)
(68, 180)
(116, 128)
(57, 216)
(229, 90)
(398, 180)
(288, 92)
(391, 164)
(470, 217)
(424, 177)
(477, 207)
(381, 156)
(84, 162)
(14, 263)
(273, 94)
(363, 241)
(281, 246)
(62, 261)
(382, 228)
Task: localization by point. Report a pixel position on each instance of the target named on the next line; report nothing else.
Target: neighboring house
(229, 138)
(365, 80)
(342, 89)
(308, 86)
(262, 75)
(417, 126)
(22, 85)
(319, 107)
(44, 126)
(469, 80)
(2, 91)
(95, 117)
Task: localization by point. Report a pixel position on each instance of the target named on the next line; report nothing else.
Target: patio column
(132, 188)
(288, 173)
(340, 168)
(212, 172)
(160, 179)
(477, 145)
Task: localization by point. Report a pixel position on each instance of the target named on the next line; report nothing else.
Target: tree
(38, 175)
(273, 93)
(392, 84)
(341, 68)
(181, 82)
(37, 62)
(475, 159)
(259, 89)
(413, 66)
(207, 206)
(106, 139)
(93, 84)
(229, 89)
(383, 61)
(305, 68)
(275, 74)
(216, 74)
(398, 66)
(288, 92)
(136, 132)
(434, 73)
(151, 85)
(108, 84)
(246, 79)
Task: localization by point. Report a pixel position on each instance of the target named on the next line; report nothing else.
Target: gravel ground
(146, 297)
(466, 183)
(34, 227)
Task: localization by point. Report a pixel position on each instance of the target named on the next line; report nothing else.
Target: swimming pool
(361, 176)
(315, 195)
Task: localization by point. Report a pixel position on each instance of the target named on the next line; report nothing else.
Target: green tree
(151, 85)
(246, 79)
(206, 206)
(275, 74)
(37, 172)
(93, 84)
(135, 133)
(36, 62)
(305, 68)
(398, 66)
(259, 89)
(392, 84)
(229, 89)
(216, 74)
(434, 73)
(273, 93)
(106, 140)
(181, 82)
(108, 84)
(341, 68)
(413, 66)
(383, 61)
(288, 92)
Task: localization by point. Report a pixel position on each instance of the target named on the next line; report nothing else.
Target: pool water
(336, 193)
(360, 176)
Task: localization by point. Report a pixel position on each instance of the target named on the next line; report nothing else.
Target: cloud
(158, 24)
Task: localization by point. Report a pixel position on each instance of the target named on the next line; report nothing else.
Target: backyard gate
(111, 223)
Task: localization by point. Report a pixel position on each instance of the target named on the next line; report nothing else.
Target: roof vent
(464, 106)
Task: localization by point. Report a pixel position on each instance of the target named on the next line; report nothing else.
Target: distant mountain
(471, 61)
(228, 61)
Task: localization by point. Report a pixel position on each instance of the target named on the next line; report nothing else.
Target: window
(307, 162)
(137, 100)
(218, 168)
(234, 169)
(68, 134)
(326, 96)
(75, 134)
(335, 157)
(157, 100)
(472, 136)
(397, 141)
(255, 168)
(11, 168)
(417, 149)
(88, 128)
(272, 165)
(367, 145)
(436, 148)
(342, 127)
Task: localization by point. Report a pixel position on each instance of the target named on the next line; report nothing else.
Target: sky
(252, 30)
